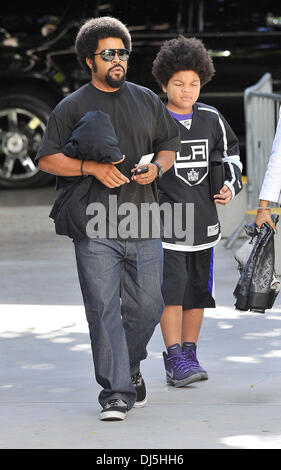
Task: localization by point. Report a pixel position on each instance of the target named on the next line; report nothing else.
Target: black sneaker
(114, 410)
(139, 384)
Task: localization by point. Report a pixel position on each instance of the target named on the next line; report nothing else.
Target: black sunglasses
(109, 54)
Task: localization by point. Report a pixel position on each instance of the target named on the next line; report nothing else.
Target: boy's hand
(224, 196)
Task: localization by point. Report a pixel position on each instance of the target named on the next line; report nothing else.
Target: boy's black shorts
(188, 278)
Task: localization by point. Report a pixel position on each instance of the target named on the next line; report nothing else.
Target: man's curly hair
(182, 54)
(99, 28)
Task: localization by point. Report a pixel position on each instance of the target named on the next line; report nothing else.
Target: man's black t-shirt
(140, 120)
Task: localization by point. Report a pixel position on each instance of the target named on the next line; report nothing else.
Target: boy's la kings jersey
(188, 213)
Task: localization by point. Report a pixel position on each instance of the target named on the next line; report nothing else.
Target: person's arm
(50, 158)
(165, 158)
(166, 142)
(271, 186)
(229, 147)
(61, 165)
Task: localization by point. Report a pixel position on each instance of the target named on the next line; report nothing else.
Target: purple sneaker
(189, 350)
(178, 370)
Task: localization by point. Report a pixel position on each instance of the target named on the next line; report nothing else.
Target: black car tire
(23, 119)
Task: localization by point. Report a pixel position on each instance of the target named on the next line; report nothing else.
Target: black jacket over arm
(93, 138)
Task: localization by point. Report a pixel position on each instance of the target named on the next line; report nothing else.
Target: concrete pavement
(48, 394)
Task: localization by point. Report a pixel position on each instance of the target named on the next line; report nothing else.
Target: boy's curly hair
(99, 28)
(182, 54)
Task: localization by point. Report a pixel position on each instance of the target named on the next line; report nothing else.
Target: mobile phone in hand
(140, 170)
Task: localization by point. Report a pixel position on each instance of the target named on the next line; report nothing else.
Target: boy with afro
(181, 68)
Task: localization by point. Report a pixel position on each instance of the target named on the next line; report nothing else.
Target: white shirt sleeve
(271, 187)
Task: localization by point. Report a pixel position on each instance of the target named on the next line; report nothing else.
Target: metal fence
(261, 109)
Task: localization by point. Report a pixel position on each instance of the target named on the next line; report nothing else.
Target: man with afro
(120, 271)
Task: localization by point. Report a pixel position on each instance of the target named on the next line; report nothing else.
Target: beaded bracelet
(262, 209)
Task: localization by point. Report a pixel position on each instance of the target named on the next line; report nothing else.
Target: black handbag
(258, 286)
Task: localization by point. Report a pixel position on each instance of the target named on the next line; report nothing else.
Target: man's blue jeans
(121, 288)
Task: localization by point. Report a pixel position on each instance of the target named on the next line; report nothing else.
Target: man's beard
(112, 82)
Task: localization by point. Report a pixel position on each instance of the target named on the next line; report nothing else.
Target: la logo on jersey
(192, 163)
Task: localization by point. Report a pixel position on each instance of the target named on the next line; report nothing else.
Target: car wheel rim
(20, 134)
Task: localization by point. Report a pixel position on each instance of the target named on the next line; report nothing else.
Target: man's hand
(224, 196)
(145, 178)
(109, 175)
